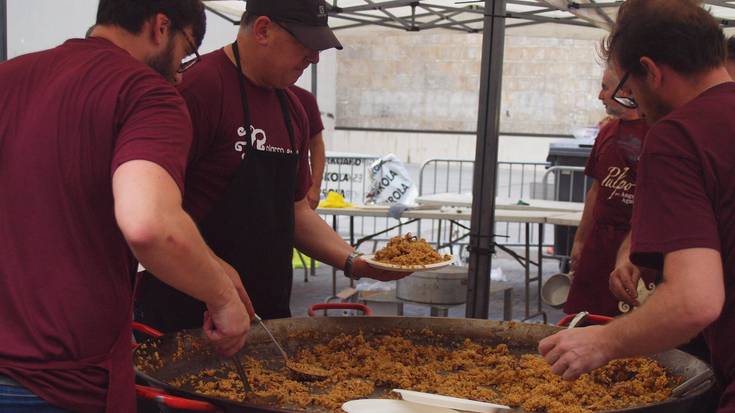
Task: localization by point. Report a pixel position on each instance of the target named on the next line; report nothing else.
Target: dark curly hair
(132, 14)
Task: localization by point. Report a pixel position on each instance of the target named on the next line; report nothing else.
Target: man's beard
(163, 62)
(655, 108)
(613, 111)
(660, 110)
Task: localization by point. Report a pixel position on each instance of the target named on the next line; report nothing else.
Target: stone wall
(430, 80)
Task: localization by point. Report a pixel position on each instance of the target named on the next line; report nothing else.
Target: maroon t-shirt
(72, 115)
(686, 199)
(612, 163)
(308, 101)
(211, 90)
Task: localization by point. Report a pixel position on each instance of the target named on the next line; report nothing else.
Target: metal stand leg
(352, 241)
(449, 243)
(334, 270)
(303, 264)
(538, 279)
(352, 230)
(439, 234)
(540, 269)
(508, 304)
(528, 272)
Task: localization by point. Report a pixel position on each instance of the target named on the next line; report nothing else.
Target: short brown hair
(247, 19)
(132, 14)
(677, 33)
(731, 48)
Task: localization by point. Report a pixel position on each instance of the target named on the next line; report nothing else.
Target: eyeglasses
(190, 60)
(624, 101)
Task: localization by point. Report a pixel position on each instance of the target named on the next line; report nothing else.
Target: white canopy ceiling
(467, 15)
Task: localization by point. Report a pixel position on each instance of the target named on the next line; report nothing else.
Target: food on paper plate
(409, 250)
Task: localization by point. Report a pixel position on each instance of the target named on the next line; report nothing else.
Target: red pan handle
(160, 396)
(173, 402)
(591, 319)
(339, 306)
(146, 329)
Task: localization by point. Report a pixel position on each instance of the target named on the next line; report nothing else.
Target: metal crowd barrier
(514, 180)
(564, 188)
(348, 174)
(571, 185)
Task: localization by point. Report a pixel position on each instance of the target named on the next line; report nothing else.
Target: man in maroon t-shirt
(249, 172)
(94, 146)
(730, 63)
(317, 150)
(683, 218)
(608, 206)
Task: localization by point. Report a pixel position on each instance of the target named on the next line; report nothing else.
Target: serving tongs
(241, 372)
(693, 384)
(297, 370)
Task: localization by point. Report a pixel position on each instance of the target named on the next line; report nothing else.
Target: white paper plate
(390, 406)
(370, 259)
(450, 402)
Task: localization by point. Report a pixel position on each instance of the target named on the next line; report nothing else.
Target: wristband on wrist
(348, 265)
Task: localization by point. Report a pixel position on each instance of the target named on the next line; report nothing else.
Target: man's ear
(159, 29)
(263, 30)
(654, 74)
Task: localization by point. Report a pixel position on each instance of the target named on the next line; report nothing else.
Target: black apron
(251, 227)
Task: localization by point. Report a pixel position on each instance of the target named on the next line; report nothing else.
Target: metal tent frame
(468, 15)
(3, 30)
(471, 16)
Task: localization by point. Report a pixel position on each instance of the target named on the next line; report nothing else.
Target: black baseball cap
(306, 20)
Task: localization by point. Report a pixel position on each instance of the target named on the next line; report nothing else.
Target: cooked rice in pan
(363, 367)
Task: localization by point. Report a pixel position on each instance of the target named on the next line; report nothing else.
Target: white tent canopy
(467, 15)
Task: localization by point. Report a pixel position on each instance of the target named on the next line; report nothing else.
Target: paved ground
(319, 287)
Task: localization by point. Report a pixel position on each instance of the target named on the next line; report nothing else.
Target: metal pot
(555, 290)
(178, 356)
(447, 286)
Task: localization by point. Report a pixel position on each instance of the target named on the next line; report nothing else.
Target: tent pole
(486, 161)
(313, 79)
(3, 30)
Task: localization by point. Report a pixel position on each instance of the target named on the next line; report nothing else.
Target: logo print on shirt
(258, 140)
(617, 180)
(258, 143)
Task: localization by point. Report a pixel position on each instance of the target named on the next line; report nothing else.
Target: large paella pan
(184, 365)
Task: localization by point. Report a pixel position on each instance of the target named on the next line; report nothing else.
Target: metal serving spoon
(241, 373)
(303, 372)
(693, 384)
